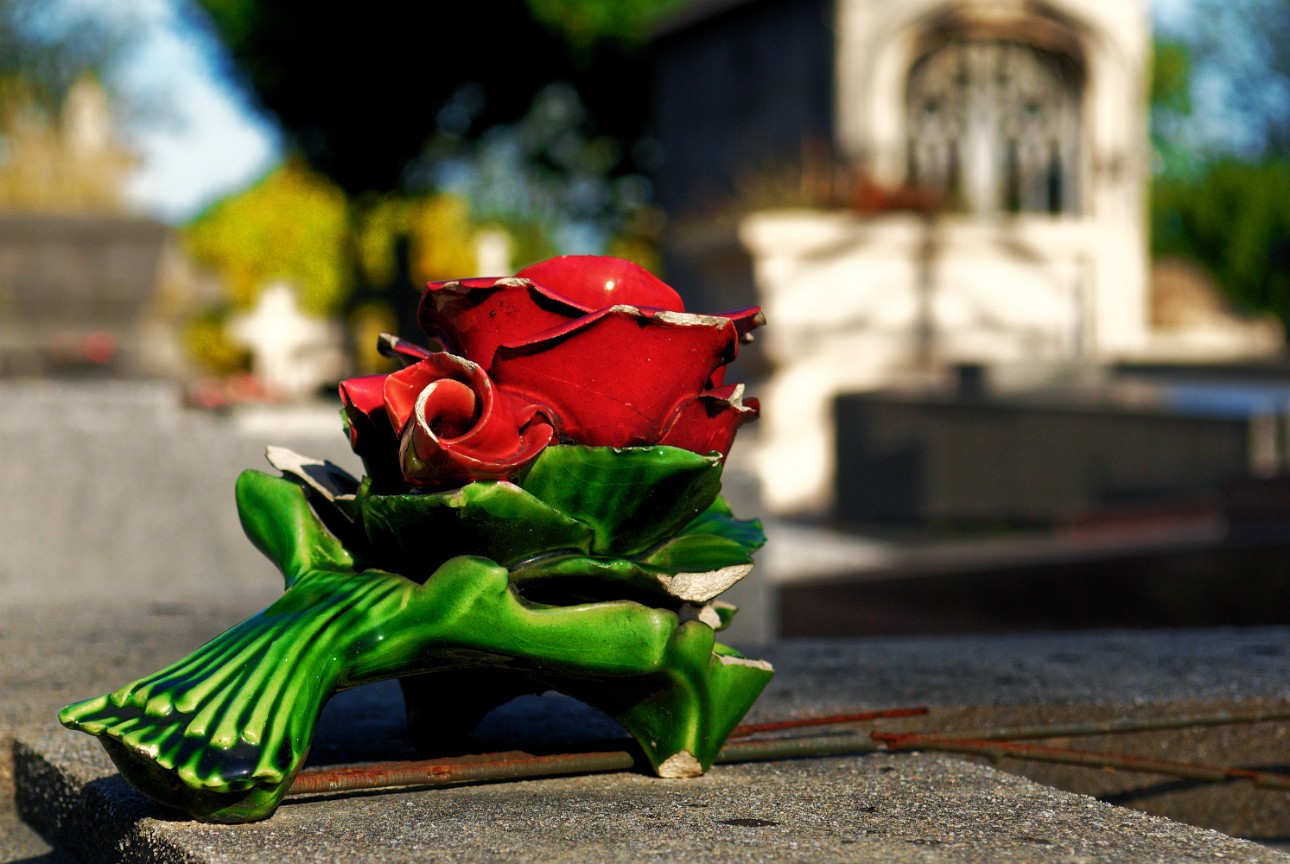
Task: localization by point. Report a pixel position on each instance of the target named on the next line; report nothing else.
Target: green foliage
(207, 342)
(294, 225)
(358, 97)
(1222, 171)
(290, 226)
(1232, 218)
(1171, 106)
(586, 23)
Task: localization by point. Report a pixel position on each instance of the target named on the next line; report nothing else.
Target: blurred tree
(46, 48)
(1232, 217)
(358, 92)
(289, 227)
(1171, 107)
(57, 147)
(1220, 128)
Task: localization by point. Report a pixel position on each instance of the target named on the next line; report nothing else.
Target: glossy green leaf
(719, 520)
(414, 534)
(222, 732)
(633, 497)
(276, 516)
(697, 552)
(580, 578)
(565, 579)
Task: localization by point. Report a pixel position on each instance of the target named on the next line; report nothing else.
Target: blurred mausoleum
(85, 286)
(915, 188)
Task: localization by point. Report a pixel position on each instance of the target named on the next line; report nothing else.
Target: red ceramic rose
(579, 349)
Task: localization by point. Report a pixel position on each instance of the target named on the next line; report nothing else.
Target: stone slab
(883, 807)
(53, 653)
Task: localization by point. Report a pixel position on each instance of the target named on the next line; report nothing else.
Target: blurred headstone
(292, 353)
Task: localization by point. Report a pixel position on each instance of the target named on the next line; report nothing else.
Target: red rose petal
(364, 393)
(370, 433)
(709, 421)
(474, 316)
(599, 281)
(403, 387)
(455, 426)
(615, 378)
(746, 320)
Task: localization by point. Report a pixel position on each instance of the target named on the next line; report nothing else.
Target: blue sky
(198, 138)
(204, 141)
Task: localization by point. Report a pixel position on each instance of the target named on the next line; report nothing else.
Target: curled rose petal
(616, 378)
(708, 422)
(455, 427)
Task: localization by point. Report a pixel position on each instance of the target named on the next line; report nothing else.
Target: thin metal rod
(826, 720)
(995, 742)
(1064, 755)
(844, 744)
(518, 766)
(1122, 724)
(512, 766)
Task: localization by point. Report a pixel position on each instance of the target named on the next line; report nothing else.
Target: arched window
(994, 126)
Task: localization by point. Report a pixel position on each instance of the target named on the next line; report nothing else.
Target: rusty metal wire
(995, 749)
(993, 742)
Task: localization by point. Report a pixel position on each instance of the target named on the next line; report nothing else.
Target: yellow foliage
(290, 226)
(365, 325)
(442, 238)
(207, 341)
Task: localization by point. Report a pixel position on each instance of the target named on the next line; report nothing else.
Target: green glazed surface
(565, 580)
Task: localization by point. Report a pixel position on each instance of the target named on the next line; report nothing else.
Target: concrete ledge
(883, 808)
(54, 654)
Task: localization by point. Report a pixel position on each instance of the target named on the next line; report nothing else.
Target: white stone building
(1000, 220)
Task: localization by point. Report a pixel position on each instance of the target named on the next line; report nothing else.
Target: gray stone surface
(20, 843)
(925, 808)
(938, 460)
(879, 808)
(113, 489)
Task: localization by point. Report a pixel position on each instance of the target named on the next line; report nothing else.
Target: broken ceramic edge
(703, 586)
(731, 660)
(704, 614)
(686, 319)
(395, 348)
(679, 766)
(735, 400)
(327, 479)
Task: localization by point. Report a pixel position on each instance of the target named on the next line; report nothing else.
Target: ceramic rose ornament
(540, 511)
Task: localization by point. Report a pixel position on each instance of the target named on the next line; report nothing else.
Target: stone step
(883, 807)
(880, 808)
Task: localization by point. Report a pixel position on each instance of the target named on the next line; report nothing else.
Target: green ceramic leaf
(719, 520)
(222, 732)
(276, 516)
(414, 534)
(633, 497)
(716, 565)
(566, 579)
(697, 552)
